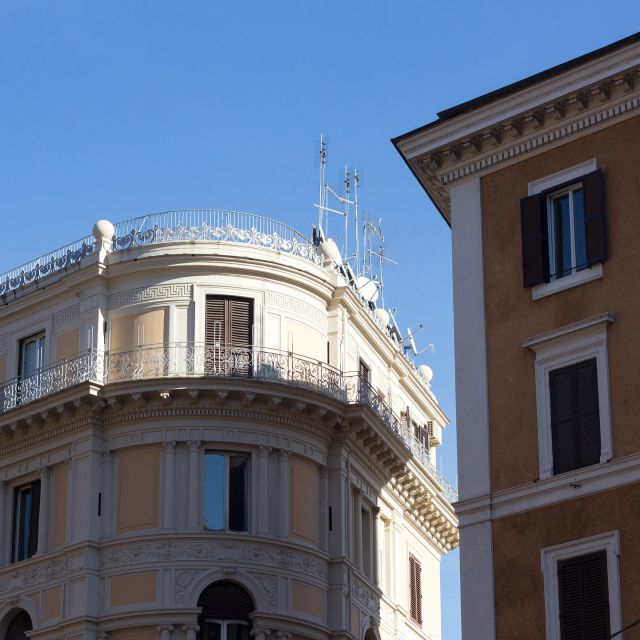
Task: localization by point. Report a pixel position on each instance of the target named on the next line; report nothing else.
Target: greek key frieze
(66, 315)
(175, 291)
(289, 303)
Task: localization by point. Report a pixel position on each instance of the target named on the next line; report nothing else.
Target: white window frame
(550, 556)
(577, 277)
(560, 348)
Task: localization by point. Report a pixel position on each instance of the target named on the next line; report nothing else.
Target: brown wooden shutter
(240, 322)
(584, 597)
(215, 325)
(594, 218)
(575, 416)
(415, 590)
(34, 518)
(535, 244)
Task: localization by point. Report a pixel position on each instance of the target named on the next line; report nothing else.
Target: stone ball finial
(103, 230)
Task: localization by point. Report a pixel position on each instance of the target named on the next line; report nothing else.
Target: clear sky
(115, 109)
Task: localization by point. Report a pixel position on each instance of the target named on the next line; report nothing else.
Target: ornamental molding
(526, 132)
(66, 315)
(44, 572)
(297, 306)
(214, 551)
(363, 594)
(163, 292)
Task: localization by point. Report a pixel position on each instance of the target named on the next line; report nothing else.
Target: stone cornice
(491, 137)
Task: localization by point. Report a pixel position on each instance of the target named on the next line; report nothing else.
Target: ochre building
(540, 183)
(206, 432)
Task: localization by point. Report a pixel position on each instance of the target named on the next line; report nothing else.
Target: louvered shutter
(535, 244)
(415, 590)
(575, 416)
(241, 322)
(594, 217)
(584, 597)
(34, 518)
(215, 321)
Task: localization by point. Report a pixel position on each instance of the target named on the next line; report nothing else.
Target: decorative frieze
(163, 292)
(295, 305)
(66, 315)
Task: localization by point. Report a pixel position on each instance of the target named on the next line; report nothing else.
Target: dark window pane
(237, 631)
(238, 485)
(24, 523)
(213, 631)
(562, 236)
(579, 230)
(214, 491)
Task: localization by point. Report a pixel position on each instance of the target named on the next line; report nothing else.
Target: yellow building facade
(206, 432)
(539, 183)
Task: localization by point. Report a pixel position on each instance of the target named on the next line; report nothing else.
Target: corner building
(540, 182)
(205, 432)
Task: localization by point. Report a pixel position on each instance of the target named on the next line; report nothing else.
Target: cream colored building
(205, 432)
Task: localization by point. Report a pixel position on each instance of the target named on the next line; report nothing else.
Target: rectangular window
(226, 494)
(367, 540)
(584, 597)
(228, 335)
(415, 590)
(26, 513)
(563, 229)
(31, 355)
(575, 416)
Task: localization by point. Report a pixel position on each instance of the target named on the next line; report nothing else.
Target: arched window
(18, 626)
(225, 612)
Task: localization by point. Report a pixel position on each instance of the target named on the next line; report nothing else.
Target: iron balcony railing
(184, 360)
(190, 225)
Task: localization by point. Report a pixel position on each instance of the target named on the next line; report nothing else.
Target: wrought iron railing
(180, 360)
(213, 225)
(170, 226)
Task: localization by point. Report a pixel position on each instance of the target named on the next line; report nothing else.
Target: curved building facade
(207, 433)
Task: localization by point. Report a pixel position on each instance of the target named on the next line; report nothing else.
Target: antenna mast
(323, 161)
(356, 180)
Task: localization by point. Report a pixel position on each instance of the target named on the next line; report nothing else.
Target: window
(415, 590)
(226, 495)
(581, 588)
(563, 230)
(225, 612)
(228, 335)
(226, 630)
(31, 355)
(26, 513)
(367, 542)
(572, 396)
(575, 419)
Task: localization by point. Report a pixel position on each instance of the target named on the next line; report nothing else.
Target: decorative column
(43, 519)
(376, 541)
(191, 630)
(263, 490)
(194, 468)
(283, 493)
(165, 631)
(169, 484)
(3, 513)
(357, 527)
(324, 509)
(260, 633)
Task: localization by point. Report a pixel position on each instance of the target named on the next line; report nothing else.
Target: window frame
(40, 338)
(17, 521)
(559, 348)
(553, 185)
(227, 455)
(418, 594)
(550, 556)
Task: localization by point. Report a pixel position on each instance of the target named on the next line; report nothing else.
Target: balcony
(189, 360)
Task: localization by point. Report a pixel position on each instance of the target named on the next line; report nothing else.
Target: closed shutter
(228, 335)
(34, 518)
(594, 217)
(535, 244)
(584, 597)
(415, 590)
(575, 417)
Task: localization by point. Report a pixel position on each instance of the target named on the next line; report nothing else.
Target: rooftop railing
(184, 360)
(190, 225)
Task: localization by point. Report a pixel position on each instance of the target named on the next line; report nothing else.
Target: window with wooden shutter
(228, 335)
(575, 416)
(415, 590)
(584, 597)
(563, 229)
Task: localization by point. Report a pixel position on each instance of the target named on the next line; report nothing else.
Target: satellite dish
(330, 250)
(367, 288)
(412, 343)
(382, 315)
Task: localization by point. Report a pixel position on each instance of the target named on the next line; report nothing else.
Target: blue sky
(116, 109)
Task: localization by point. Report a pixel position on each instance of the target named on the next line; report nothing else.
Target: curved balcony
(192, 360)
(188, 225)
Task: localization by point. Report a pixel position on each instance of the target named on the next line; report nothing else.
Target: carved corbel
(582, 100)
(194, 395)
(455, 150)
(516, 127)
(537, 119)
(274, 402)
(248, 399)
(138, 399)
(476, 143)
(629, 81)
(495, 136)
(604, 90)
(221, 397)
(559, 109)
(297, 408)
